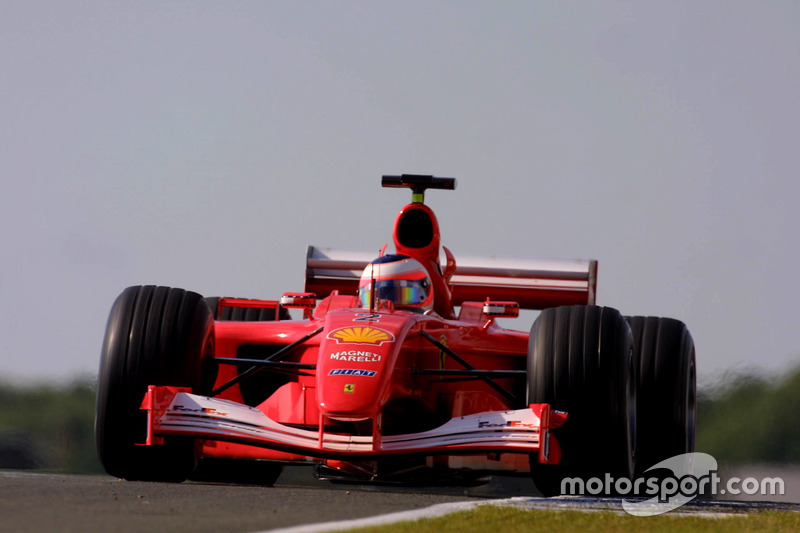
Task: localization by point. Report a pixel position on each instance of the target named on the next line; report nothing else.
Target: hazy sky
(204, 145)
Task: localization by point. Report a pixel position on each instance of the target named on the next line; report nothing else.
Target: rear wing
(537, 284)
(533, 284)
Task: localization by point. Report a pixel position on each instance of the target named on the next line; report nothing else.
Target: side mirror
(299, 300)
(501, 309)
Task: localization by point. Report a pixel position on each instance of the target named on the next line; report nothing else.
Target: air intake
(415, 228)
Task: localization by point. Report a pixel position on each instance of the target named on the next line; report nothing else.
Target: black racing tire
(257, 388)
(240, 471)
(245, 314)
(667, 401)
(580, 360)
(154, 336)
(254, 390)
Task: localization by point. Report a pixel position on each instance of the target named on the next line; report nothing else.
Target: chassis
(385, 394)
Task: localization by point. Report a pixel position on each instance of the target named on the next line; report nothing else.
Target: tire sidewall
(154, 336)
(581, 360)
(667, 407)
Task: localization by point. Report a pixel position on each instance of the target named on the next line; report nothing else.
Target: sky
(204, 145)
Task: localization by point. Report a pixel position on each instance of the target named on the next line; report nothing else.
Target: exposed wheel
(245, 314)
(254, 390)
(667, 402)
(154, 336)
(241, 471)
(580, 360)
(257, 388)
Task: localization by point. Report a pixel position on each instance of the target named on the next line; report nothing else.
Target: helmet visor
(400, 291)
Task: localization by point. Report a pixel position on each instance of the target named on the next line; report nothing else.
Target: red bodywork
(362, 387)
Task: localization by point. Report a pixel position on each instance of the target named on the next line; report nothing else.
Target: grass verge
(496, 519)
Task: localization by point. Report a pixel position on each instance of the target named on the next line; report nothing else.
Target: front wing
(176, 411)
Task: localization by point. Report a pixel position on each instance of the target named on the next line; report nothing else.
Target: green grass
(55, 422)
(496, 519)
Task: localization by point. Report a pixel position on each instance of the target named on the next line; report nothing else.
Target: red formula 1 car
(397, 371)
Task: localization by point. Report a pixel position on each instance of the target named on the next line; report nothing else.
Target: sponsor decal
(442, 353)
(361, 335)
(508, 424)
(349, 388)
(199, 410)
(352, 372)
(366, 317)
(356, 356)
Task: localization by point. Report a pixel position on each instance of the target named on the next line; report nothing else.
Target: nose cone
(356, 360)
(351, 371)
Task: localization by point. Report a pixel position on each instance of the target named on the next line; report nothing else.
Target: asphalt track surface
(31, 502)
(35, 502)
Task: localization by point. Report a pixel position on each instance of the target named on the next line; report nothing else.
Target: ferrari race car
(397, 371)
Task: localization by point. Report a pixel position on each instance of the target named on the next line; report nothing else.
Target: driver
(400, 279)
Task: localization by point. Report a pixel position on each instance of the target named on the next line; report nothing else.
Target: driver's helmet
(398, 278)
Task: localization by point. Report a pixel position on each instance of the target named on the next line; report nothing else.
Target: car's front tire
(580, 360)
(154, 336)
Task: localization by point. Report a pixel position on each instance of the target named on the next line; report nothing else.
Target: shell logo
(360, 335)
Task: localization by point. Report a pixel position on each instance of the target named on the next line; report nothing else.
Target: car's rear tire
(259, 387)
(254, 390)
(667, 402)
(240, 471)
(154, 336)
(580, 360)
(245, 314)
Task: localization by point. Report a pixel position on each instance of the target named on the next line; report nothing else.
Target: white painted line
(442, 509)
(558, 503)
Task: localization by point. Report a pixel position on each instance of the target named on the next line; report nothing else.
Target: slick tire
(580, 360)
(239, 471)
(667, 401)
(154, 336)
(245, 314)
(258, 388)
(253, 390)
